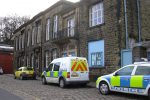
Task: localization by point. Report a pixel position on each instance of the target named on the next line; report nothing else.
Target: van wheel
(44, 81)
(62, 83)
(104, 88)
(21, 77)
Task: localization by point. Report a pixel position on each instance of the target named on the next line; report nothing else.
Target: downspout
(126, 24)
(139, 31)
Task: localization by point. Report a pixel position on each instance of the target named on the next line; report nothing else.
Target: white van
(67, 70)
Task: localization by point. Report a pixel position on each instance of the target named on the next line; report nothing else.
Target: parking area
(34, 90)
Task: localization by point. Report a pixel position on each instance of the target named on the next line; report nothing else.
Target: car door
(122, 77)
(141, 78)
(56, 72)
(49, 73)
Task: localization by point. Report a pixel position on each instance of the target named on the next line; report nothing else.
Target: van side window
(56, 66)
(143, 70)
(50, 67)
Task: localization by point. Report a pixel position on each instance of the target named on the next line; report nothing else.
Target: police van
(134, 79)
(67, 70)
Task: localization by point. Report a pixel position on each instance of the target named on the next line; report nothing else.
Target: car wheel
(44, 81)
(34, 78)
(104, 88)
(21, 77)
(14, 77)
(62, 83)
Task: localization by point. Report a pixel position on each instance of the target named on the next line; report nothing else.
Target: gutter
(139, 31)
(126, 24)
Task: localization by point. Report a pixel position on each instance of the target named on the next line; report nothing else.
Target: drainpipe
(126, 24)
(139, 31)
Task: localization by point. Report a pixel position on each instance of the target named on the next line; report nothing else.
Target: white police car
(134, 79)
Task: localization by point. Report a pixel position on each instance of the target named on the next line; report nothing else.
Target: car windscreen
(28, 69)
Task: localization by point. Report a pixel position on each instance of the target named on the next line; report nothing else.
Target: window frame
(71, 27)
(47, 29)
(54, 54)
(92, 11)
(55, 26)
(95, 53)
(33, 32)
(23, 40)
(47, 61)
(16, 43)
(28, 41)
(38, 33)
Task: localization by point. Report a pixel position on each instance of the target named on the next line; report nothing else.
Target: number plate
(74, 75)
(29, 75)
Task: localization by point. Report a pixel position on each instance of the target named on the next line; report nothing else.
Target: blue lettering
(139, 90)
(118, 88)
(133, 90)
(124, 89)
(112, 87)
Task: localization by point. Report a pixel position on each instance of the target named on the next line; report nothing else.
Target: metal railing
(67, 32)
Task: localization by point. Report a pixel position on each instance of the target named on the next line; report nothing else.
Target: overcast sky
(25, 7)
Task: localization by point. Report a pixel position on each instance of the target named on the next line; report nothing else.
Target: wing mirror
(114, 74)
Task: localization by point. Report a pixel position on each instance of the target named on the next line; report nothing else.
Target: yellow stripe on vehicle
(55, 74)
(98, 80)
(115, 81)
(136, 81)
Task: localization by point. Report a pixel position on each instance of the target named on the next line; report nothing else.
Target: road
(34, 90)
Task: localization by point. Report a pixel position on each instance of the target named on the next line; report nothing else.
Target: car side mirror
(114, 74)
(46, 69)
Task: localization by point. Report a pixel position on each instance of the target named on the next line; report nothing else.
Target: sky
(25, 7)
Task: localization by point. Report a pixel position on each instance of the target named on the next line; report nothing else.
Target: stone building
(109, 33)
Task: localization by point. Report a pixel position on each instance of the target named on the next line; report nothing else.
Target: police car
(67, 70)
(134, 79)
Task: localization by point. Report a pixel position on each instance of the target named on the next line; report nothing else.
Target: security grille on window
(71, 47)
(28, 38)
(23, 40)
(55, 27)
(47, 59)
(39, 33)
(54, 54)
(47, 29)
(71, 27)
(96, 14)
(33, 35)
(96, 59)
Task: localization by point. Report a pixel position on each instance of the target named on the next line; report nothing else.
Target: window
(19, 61)
(64, 48)
(55, 27)
(23, 40)
(19, 42)
(27, 60)
(47, 29)
(125, 71)
(71, 27)
(47, 59)
(56, 66)
(96, 58)
(96, 14)
(72, 53)
(143, 70)
(71, 47)
(38, 61)
(33, 35)
(39, 33)
(54, 54)
(50, 67)
(16, 43)
(32, 60)
(28, 38)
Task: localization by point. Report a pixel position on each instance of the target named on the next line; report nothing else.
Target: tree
(8, 25)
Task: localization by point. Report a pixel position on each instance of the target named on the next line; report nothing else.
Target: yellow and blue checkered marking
(55, 73)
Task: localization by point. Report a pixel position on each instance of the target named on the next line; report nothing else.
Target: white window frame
(47, 29)
(33, 31)
(39, 33)
(16, 43)
(23, 40)
(47, 59)
(55, 26)
(28, 38)
(96, 14)
(54, 54)
(71, 27)
(19, 42)
(27, 61)
(32, 60)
